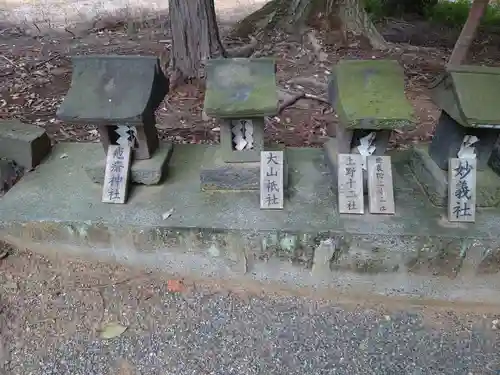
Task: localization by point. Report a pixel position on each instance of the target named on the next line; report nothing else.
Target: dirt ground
(35, 68)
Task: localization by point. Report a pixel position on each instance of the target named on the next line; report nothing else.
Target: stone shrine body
(240, 93)
(119, 95)
(369, 99)
(370, 102)
(468, 128)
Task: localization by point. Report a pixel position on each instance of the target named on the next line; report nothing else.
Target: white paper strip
(366, 147)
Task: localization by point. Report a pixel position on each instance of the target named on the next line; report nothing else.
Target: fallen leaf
(112, 330)
(175, 286)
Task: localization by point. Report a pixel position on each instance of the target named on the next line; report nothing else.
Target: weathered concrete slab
(26, 144)
(145, 172)
(57, 208)
(435, 181)
(68, 195)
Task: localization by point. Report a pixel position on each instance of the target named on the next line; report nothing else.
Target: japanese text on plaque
(271, 173)
(350, 184)
(380, 188)
(116, 174)
(462, 195)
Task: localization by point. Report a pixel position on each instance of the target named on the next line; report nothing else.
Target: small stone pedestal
(119, 94)
(240, 93)
(468, 97)
(25, 144)
(369, 99)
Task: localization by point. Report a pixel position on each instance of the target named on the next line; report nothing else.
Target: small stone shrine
(468, 129)
(119, 95)
(240, 92)
(369, 99)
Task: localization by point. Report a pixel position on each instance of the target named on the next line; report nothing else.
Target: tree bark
(468, 32)
(357, 21)
(195, 36)
(336, 15)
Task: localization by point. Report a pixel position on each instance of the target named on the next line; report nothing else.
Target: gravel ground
(53, 311)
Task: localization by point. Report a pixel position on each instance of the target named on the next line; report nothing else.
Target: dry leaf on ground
(112, 330)
(175, 286)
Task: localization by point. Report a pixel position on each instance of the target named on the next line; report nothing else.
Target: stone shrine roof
(241, 87)
(111, 90)
(369, 94)
(470, 95)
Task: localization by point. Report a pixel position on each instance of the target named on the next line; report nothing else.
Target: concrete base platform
(216, 174)
(145, 172)
(434, 180)
(57, 208)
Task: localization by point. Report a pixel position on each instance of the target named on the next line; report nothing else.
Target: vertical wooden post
(468, 33)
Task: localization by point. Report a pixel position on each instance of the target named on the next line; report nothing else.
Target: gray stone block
(331, 158)
(26, 144)
(238, 176)
(494, 161)
(434, 180)
(216, 174)
(145, 172)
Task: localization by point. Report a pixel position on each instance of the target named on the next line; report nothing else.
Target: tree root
(4, 253)
(176, 80)
(243, 51)
(262, 18)
(288, 99)
(320, 55)
(308, 81)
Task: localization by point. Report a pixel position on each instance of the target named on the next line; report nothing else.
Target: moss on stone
(371, 95)
(241, 88)
(469, 94)
(477, 93)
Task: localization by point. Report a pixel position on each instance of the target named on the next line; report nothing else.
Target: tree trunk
(357, 21)
(195, 36)
(346, 15)
(468, 32)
